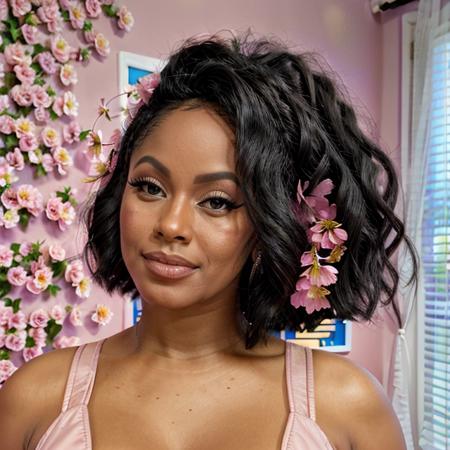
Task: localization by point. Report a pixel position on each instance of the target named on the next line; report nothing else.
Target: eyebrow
(202, 178)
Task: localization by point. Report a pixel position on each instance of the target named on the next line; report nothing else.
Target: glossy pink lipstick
(168, 266)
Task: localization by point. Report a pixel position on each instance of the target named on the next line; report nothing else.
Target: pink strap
(300, 379)
(82, 375)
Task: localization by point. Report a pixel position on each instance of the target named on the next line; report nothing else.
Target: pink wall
(345, 33)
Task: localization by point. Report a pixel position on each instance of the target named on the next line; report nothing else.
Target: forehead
(191, 139)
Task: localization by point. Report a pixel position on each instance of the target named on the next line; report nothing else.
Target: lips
(174, 260)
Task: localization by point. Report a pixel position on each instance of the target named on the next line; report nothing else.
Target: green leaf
(24, 217)
(5, 287)
(110, 10)
(40, 171)
(53, 115)
(58, 268)
(84, 134)
(29, 342)
(16, 305)
(4, 90)
(52, 330)
(37, 68)
(7, 301)
(38, 48)
(51, 91)
(16, 33)
(30, 19)
(3, 276)
(87, 26)
(53, 289)
(15, 247)
(25, 110)
(10, 79)
(65, 15)
(6, 41)
(4, 354)
(85, 54)
(11, 141)
(39, 81)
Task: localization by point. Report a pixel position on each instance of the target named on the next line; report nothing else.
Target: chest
(233, 411)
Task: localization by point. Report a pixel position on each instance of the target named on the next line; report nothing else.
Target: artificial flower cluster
(323, 233)
(19, 203)
(103, 155)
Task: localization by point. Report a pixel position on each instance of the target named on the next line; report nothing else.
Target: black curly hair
(291, 122)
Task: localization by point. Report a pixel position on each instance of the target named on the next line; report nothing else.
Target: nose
(175, 220)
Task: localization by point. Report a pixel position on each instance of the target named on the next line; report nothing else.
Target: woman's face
(180, 184)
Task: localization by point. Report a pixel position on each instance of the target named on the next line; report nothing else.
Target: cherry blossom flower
(9, 218)
(83, 288)
(29, 197)
(7, 368)
(31, 352)
(6, 256)
(125, 19)
(60, 48)
(67, 217)
(102, 44)
(6, 172)
(66, 341)
(77, 15)
(147, 84)
(47, 63)
(57, 252)
(102, 314)
(313, 299)
(50, 137)
(62, 159)
(17, 276)
(68, 75)
(40, 281)
(94, 148)
(24, 127)
(70, 105)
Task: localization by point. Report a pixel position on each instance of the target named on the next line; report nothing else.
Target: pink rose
(54, 208)
(6, 313)
(41, 114)
(21, 94)
(18, 321)
(17, 276)
(89, 36)
(125, 19)
(66, 341)
(49, 11)
(20, 7)
(48, 162)
(40, 97)
(57, 252)
(7, 368)
(16, 341)
(39, 335)
(39, 318)
(31, 352)
(3, 14)
(75, 317)
(7, 124)
(28, 196)
(24, 73)
(31, 34)
(93, 8)
(28, 143)
(4, 102)
(15, 159)
(25, 248)
(9, 199)
(71, 132)
(16, 53)
(58, 314)
(74, 272)
(47, 62)
(58, 106)
(6, 256)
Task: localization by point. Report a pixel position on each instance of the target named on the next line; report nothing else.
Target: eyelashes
(148, 187)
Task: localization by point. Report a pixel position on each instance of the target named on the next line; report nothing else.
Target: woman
(203, 215)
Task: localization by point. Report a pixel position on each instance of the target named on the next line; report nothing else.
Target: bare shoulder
(34, 391)
(350, 398)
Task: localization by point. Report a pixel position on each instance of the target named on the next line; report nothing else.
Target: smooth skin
(182, 378)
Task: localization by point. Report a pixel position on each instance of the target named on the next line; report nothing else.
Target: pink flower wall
(347, 35)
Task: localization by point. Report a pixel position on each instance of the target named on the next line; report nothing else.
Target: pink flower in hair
(312, 298)
(147, 84)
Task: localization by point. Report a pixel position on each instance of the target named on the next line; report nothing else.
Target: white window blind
(435, 253)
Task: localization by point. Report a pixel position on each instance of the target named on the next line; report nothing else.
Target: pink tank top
(71, 430)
